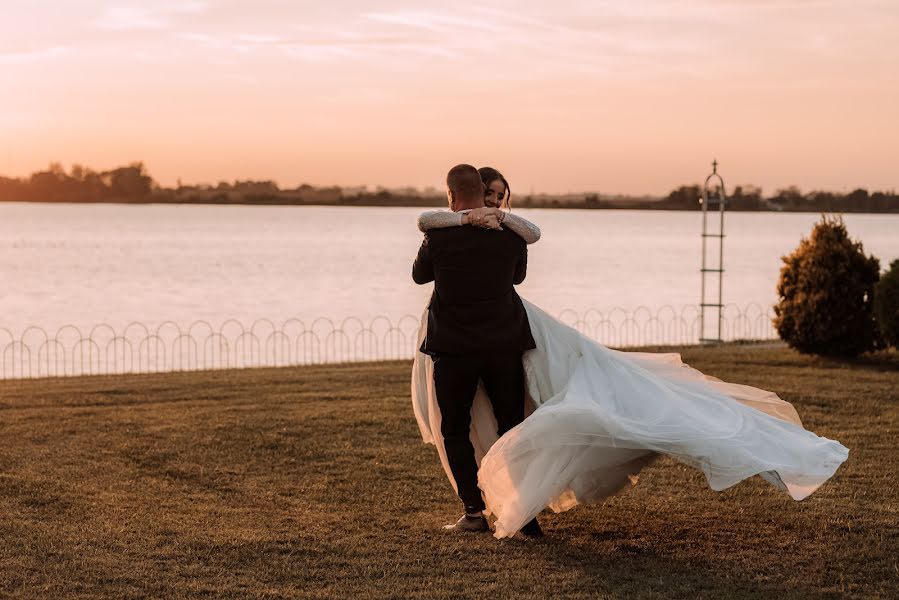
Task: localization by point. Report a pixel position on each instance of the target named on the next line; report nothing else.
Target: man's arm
(521, 269)
(423, 268)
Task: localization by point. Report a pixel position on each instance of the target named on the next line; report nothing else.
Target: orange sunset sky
(617, 97)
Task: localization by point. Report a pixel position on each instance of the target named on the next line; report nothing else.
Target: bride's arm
(526, 230)
(438, 219)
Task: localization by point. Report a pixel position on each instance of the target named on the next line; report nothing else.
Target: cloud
(31, 56)
(256, 38)
(127, 18)
(525, 42)
(437, 22)
(131, 17)
(198, 37)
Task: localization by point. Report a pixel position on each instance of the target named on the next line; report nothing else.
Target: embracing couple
(595, 416)
(477, 330)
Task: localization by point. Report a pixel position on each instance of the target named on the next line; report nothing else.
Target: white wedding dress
(596, 416)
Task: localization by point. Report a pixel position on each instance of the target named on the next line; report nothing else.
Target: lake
(99, 263)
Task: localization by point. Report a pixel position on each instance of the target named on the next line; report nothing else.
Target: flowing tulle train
(598, 416)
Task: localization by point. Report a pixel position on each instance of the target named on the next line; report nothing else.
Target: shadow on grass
(883, 361)
(621, 562)
(634, 569)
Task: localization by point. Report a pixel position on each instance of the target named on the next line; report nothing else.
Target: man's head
(464, 188)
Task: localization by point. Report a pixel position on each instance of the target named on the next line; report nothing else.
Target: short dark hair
(464, 180)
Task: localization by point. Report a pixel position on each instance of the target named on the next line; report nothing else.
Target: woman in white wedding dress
(596, 416)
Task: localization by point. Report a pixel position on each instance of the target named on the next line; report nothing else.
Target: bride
(596, 416)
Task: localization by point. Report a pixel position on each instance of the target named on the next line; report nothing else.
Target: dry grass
(313, 482)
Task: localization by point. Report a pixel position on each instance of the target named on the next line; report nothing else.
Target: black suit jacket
(474, 307)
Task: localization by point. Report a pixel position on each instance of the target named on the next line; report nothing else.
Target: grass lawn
(313, 482)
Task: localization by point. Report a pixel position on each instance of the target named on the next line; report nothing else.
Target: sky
(566, 96)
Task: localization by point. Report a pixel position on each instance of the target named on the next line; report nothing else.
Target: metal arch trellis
(139, 348)
(720, 198)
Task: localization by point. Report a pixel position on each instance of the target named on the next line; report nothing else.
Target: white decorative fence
(232, 345)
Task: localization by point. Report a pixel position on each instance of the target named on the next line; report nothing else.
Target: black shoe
(532, 529)
(472, 524)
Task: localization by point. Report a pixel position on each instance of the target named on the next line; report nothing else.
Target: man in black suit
(477, 329)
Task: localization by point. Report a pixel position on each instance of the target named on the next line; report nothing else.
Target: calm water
(89, 264)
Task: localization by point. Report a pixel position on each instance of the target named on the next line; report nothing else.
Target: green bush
(886, 305)
(826, 292)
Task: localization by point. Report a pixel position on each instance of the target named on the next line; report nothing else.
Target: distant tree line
(750, 197)
(132, 184)
(124, 184)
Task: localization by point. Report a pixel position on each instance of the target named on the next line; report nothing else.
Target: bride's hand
(490, 222)
(486, 217)
(477, 216)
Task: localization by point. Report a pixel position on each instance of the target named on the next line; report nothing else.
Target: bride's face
(494, 194)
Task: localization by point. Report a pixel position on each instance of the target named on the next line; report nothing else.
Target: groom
(477, 329)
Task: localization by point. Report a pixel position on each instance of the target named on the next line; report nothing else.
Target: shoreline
(432, 206)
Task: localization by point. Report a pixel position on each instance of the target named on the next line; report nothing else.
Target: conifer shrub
(886, 305)
(826, 292)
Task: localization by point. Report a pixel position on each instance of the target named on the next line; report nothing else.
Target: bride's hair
(488, 176)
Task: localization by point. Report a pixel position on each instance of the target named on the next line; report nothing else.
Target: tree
(858, 200)
(788, 198)
(886, 305)
(684, 197)
(746, 197)
(129, 183)
(592, 201)
(78, 172)
(51, 185)
(826, 292)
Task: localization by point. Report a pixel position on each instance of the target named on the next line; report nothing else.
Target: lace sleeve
(526, 230)
(438, 219)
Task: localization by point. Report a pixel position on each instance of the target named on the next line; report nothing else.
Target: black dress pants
(456, 382)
